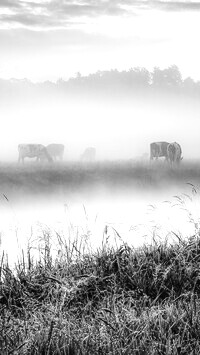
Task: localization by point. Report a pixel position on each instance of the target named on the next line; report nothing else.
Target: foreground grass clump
(113, 301)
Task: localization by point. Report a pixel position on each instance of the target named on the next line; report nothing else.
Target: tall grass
(111, 301)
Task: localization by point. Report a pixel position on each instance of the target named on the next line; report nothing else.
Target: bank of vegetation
(109, 301)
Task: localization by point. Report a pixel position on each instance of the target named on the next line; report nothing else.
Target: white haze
(118, 131)
(136, 218)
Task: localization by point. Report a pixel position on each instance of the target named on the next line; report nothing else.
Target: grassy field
(75, 177)
(113, 301)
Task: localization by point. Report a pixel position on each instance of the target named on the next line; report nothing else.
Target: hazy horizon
(46, 40)
(75, 75)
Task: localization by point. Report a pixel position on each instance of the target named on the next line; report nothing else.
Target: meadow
(33, 178)
(110, 300)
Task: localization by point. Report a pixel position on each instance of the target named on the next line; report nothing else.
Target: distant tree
(189, 83)
(158, 77)
(191, 87)
(139, 76)
(108, 79)
(170, 77)
(173, 76)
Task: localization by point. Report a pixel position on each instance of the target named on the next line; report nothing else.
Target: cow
(174, 153)
(158, 149)
(89, 154)
(33, 151)
(56, 151)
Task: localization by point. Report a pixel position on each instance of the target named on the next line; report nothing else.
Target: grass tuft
(111, 301)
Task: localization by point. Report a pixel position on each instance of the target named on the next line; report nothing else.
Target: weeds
(112, 301)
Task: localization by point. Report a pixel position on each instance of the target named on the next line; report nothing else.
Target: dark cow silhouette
(56, 151)
(174, 153)
(89, 154)
(158, 149)
(37, 151)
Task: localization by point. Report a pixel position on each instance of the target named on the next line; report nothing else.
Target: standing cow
(56, 151)
(33, 151)
(174, 153)
(89, 154)
(158, 149)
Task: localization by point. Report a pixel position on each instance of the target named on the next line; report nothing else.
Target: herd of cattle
(40, 152)
(50, 153)
(170, 151)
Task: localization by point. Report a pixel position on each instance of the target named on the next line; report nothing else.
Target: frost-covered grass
(111, 301)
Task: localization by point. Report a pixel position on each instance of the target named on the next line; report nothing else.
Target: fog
(65, 198)
(135, 217)
(119, 129)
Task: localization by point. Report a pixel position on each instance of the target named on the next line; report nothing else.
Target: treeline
(135, 80)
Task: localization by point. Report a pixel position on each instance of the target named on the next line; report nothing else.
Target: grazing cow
(37, 151)
(89, 155)
(56, 151)
(158, 149)
(174, 153)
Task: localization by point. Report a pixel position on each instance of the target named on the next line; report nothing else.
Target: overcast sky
(50, 39)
